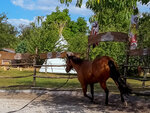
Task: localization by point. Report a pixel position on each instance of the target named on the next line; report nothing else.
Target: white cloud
(17, 22)
(143, 8)
(27, 4)
(50, 5)
(18, 2)
(24, 22)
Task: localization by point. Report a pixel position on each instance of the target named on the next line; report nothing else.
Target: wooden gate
(143, 55)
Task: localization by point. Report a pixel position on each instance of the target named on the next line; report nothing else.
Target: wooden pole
(46, 66)
(34, 63)
(34, 76)
(88, 52)
(126, 61)
(146, 64)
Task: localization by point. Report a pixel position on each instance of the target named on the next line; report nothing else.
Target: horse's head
(68, 64)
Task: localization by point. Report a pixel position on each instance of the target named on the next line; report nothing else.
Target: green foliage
(82, 25)
(111, 22)
(75, 34)
(101, 6)
(115, 50)
(144, 31)
(21, 48)
(7, 33)
(78, 44)
(54, 25)
(59, 19)
(116, 4)
(44, 37)
(112, 15)
(41, 38)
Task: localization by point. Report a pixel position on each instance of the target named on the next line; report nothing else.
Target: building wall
(6, 57)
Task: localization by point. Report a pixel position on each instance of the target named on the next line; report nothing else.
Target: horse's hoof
(125, 104)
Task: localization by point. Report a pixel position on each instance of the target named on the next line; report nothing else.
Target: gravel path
(68, 102)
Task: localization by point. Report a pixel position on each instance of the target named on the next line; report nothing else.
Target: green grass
(26, 83)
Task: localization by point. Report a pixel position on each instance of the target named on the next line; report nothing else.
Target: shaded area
(70, 101)
(75, 102)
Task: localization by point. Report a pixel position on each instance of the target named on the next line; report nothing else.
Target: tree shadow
(72, 101)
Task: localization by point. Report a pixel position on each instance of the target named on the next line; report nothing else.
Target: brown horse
(97, 71)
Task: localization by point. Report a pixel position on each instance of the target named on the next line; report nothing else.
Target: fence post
(126, 61)
(46, 66)
(34, 64)
(88, 52)
(34, 76)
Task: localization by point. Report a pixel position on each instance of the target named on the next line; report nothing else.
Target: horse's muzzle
(67, 70)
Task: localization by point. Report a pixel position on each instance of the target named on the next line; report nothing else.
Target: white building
(58, 66)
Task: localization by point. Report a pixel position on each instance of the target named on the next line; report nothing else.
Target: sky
(25, 11)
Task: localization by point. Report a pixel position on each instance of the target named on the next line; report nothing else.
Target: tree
(144, 31)
(100, 6)
(82, 25)
(41, 38)
(21, 47)
(113, 15)
(56, 21)
(34, 37)
(107, 3)
(110, 22)
(7, 33)
(59, 19)
(76, 35)
(44, 37)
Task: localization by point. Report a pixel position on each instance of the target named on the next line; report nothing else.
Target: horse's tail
(115, 75)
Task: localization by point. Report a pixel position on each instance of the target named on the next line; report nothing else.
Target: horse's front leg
(92, 91)
(84, 88)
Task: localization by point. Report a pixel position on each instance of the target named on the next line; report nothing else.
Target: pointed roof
(61, 43)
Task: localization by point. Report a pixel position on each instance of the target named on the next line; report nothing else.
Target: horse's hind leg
(122, 99)
(103, 85)
(92, 91)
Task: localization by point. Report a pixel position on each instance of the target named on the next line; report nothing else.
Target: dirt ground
(68, 102)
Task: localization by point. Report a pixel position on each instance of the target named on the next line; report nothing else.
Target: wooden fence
(35, 71)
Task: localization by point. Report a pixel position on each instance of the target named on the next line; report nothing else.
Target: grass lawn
(27, 82)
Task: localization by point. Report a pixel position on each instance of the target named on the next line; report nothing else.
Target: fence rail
(49, 65)
(16, 76)
(20, 64)
(144, 79)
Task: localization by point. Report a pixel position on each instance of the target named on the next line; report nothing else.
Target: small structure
(6, 56)
(61, 44)
(9, 57)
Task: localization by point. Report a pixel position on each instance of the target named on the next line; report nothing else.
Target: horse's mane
(76, 60)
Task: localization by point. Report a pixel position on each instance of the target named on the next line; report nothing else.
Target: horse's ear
(70, 54)
(67, 56)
